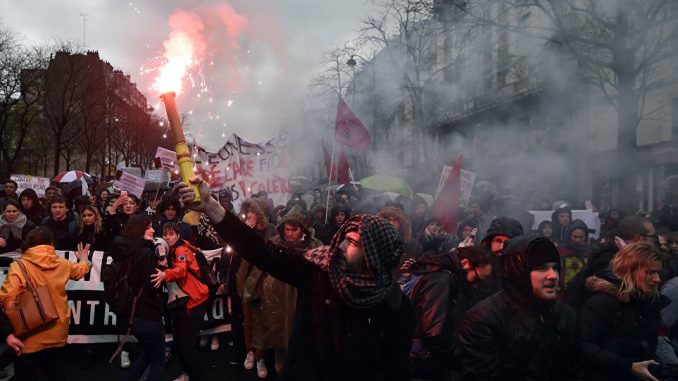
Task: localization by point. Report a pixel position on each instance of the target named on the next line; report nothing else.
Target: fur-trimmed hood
(257, 206)
(295, 216)
(405, 224)
(597, 284)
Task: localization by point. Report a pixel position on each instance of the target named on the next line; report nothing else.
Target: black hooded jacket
(512, 335)
(36, 213)
(560, 231)
(441, 295)
(332, 226)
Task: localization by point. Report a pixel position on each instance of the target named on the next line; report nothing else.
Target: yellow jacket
(44, 267)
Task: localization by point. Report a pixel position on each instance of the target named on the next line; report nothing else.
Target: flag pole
(329, 181)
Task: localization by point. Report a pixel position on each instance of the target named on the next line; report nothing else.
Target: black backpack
(117, 288)
(207, 273)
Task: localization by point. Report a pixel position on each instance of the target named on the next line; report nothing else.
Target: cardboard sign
(131, 184)
(167, 159)
(467, 179)
(38, 184)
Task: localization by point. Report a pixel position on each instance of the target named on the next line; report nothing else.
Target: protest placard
(38, 184)
(131, 184)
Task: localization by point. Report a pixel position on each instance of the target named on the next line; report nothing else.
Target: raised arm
(284, 264)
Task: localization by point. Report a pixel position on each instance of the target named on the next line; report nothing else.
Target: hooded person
(560, 221)
(401, 222)
(434, 238)
(418, 214)
(501, 230)
(31, 207)
(352, 319)
(574, 253)
(442, 288)
(248, 279)
(335, 219)
(522, 332)
(277, 300)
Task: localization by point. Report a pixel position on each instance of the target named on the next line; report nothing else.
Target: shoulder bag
(33, 308)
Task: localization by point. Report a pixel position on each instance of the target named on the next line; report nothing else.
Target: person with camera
(43, 349)
(620, 320)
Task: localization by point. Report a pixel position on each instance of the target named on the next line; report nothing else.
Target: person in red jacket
(186, 320)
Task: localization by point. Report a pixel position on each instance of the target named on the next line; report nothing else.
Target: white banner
(589, 217)
(244, 168)
(38, 184)
(92, 319)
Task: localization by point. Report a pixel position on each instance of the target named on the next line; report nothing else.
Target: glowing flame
(179, 54)
(185, 51)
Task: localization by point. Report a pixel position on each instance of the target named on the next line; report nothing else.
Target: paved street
(215, 363)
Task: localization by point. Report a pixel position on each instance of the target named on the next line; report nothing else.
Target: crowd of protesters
(340, 285)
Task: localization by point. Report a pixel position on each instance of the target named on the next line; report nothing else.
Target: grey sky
(285, 38)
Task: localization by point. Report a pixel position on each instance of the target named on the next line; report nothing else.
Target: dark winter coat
(36, 213)
(441, 296)
(332, 226)
(330, 340)
(512, 335)
(503, 339)
(576, 292)
(97, 241)
(65, 232)
(151, 304)
(560, 234)
(617, 330)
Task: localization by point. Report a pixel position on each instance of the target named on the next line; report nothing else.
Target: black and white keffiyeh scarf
(382, 246)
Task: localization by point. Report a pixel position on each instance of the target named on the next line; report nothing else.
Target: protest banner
(130, 183)
(467, 179)
(38, 184)
(92, 319)
(244, 168)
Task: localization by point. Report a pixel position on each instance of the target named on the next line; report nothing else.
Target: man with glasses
(501, 230)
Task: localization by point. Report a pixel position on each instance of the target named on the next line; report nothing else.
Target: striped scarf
(382, 247)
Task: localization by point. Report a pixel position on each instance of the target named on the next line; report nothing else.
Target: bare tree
(65, 82)
(17, 112)
(624, 48)
(407, 33)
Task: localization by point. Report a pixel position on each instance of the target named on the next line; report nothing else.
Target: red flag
(446, 205)
(343, 172)
(350, 130)
(328, 163)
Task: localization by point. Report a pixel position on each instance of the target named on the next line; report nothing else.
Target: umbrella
(70, 176)
(387, 184)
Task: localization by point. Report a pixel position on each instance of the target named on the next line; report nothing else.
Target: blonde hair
(97, 219)
(635, 256)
